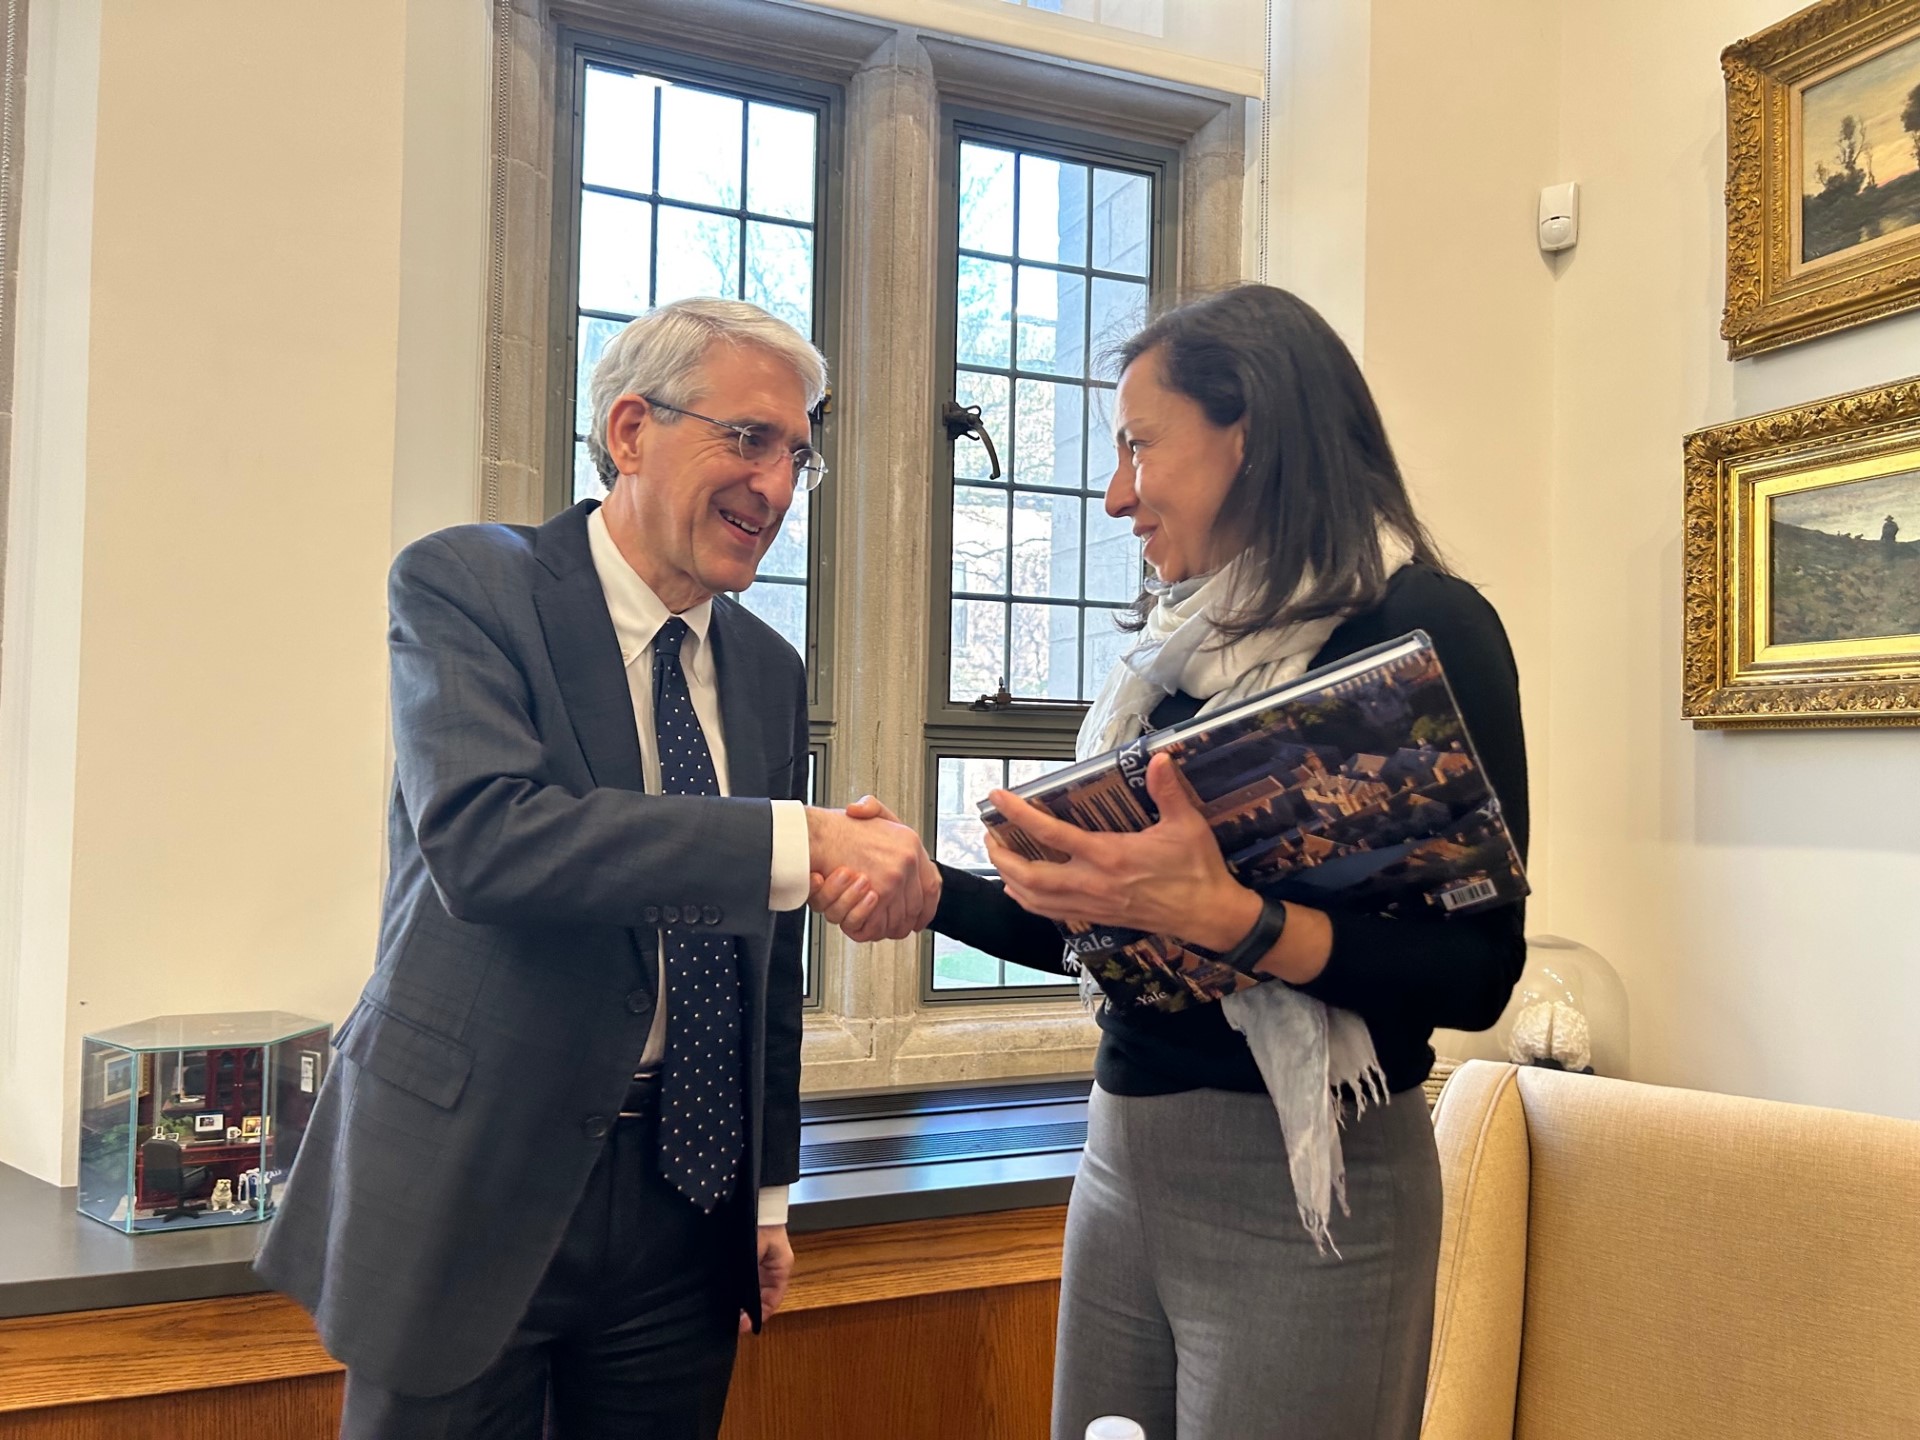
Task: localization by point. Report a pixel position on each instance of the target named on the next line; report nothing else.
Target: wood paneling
(974, 1365)
(926, 1257)
(145, 1350)
(889, 1330)
(302, 1409)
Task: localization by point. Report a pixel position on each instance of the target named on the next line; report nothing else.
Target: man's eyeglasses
(758, 447)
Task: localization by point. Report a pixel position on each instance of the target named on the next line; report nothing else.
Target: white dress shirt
(638, 614)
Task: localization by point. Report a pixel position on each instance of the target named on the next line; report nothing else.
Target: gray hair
(660, 353)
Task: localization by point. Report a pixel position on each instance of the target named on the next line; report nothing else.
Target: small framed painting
(116, 1077)
(1802, 565)
(1823, 173)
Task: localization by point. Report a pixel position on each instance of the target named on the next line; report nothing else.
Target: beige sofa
(1625, 1262)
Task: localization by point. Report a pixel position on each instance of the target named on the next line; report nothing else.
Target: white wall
(1756, 891)
(288, 239)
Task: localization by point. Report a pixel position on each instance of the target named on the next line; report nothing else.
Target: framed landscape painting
(1823, 172)
(1802, 559)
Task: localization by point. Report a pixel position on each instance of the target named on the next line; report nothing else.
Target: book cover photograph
(1353, 787)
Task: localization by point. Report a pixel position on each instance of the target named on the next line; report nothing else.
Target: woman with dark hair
(1253, 1237)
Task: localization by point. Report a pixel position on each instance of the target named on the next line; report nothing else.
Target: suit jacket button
(639, 1002)
(711, 915)
(651, 914)
(596, 1127)
(670, 914)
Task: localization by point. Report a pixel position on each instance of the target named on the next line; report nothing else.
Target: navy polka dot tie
(700, 1125)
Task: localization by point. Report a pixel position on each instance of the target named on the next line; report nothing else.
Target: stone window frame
(870, 1028)
(13, 73)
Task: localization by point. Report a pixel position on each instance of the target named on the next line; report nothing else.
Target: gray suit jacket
(478, 1074)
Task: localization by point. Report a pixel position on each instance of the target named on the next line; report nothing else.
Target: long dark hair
(1319, 480)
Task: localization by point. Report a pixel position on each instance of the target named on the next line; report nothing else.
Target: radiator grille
(883, 1150)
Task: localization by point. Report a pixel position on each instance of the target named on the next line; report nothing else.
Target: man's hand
(776, 1269)
(868, 846)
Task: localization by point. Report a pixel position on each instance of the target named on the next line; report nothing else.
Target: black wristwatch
(1263, 937)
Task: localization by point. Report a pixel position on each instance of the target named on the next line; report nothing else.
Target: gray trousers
(1193, 1301)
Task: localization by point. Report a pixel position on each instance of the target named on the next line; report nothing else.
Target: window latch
(965, 420)
(1001, 699)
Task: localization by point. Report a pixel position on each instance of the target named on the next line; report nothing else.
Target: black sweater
(1404, 977)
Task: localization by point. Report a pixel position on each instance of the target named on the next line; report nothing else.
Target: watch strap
(1264, 935)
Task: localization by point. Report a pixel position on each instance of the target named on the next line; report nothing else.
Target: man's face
(691, 516)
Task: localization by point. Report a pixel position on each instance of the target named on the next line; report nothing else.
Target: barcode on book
(1472, 893)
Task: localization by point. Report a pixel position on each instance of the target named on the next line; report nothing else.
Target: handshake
(869, 874)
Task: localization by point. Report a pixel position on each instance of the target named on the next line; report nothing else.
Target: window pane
(979, 648)
(1019, 772)
(1113, 556)
(979, 540)
(617, 148)
(586, 480)
(989, 392)
(614, 245)
(1046, 447)
(1102, 454)
(780, 272)
(1122, 222)
(984, 312)
(784, 607)
(1046, 545)
(788, 554)
(1031, 330)
(986, 199)
(959, 837)
(961, 782)
(699, 255)
(1053, 321)
(700, 146)
(594, 335)
(1119, 309)
(780, 168)
(961, 967)
(1024, 975)
(1106, 643)
(1045, 652)
(806, 924)
(1053, 210)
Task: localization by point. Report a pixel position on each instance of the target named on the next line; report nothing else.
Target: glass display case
(1568, 1012)
(190, 1120)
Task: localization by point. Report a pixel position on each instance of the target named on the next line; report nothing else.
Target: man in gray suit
(546, 1181)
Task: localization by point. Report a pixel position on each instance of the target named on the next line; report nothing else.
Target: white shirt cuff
(773, 1204)
(791, 880)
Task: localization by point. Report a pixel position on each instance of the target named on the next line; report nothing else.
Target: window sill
(916, 1154)
(866, 1159)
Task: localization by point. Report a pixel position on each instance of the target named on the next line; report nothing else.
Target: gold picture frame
(1802, 604)
(1821, 235)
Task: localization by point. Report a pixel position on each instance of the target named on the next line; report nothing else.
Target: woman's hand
(1168, 879)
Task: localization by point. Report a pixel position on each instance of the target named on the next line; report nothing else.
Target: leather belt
(643, 1098)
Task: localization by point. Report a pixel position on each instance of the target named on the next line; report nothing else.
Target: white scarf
(1308, 1052)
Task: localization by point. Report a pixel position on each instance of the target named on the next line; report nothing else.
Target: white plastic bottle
(1115, 1427)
